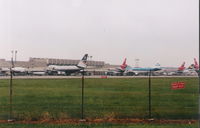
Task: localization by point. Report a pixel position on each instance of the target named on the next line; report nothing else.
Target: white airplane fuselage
(63, 68)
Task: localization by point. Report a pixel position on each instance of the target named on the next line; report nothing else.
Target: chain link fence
(107, 98)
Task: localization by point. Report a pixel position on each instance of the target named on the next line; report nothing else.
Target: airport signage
(104, 77)
(177, 85)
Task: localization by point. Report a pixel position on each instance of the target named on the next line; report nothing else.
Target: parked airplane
(172, 70)
(140, 71)
(117, 71)
(196, 65)
(19, 71)
(37, 71)
(5, 71)
(182, 67)
(16, 71)
(193, 69)
(56, 69)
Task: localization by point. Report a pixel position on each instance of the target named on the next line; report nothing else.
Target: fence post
(11, 89)
(82, 105)
(199, 69)
(150, 117)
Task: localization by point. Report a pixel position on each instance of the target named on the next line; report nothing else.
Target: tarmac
(100, 77)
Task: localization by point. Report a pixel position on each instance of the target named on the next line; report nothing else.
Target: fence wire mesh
(111, 98)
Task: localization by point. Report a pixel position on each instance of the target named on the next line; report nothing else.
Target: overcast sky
(164, 31)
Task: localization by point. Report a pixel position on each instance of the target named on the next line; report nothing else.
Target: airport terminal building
(41, 64)
(44, 62)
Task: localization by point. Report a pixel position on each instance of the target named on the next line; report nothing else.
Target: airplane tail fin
(124, 65)
(82, 62)
(196, 65)
(182, 67)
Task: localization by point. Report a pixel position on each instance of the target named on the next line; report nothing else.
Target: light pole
(90, 57)
(137, 62)
(15, 56)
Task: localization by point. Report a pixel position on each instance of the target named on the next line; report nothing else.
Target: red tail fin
(196, 65)
(124, 65)
(182, 67)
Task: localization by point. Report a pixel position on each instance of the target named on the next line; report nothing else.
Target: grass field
(98, 126)
(56, 99)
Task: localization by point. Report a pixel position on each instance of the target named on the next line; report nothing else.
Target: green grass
(37, 99)
(98, 126)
